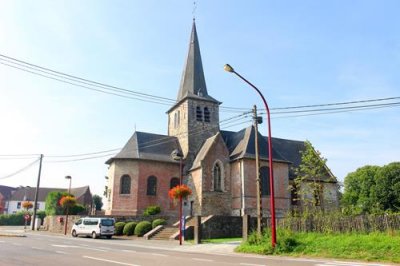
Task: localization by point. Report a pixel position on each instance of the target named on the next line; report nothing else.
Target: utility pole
(36, 194)
(257, 120)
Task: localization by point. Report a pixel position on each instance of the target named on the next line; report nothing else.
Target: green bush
(142, 228)
(129, 228)
(119, 228)
(152, 210)
(77, 209)
(158, 222)
(12, 219)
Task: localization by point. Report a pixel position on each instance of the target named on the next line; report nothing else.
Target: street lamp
(69, 192)
(177, 155)
(230, 69)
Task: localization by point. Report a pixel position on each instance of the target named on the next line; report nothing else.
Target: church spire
(193, 82)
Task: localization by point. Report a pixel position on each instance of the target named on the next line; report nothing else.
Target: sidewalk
(13, 231)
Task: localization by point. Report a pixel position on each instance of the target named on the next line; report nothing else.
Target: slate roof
(19, 193)
(6, 191)
(204, 151)
(241, 144)
(193, 83)
(148, 146)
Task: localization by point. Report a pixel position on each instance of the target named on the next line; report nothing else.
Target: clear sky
(297, 52)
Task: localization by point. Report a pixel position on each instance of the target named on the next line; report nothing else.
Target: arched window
(206, 115)
(217, 177)
(174, 182)
(199, 114)
(152, 185)
(179, 118)
(264, 178)
(125, 185)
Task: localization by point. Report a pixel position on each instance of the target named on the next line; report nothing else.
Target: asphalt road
(41, 248)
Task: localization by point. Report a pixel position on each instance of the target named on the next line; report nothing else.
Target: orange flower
(179, 191)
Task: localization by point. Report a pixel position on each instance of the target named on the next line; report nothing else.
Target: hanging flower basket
(180, 191)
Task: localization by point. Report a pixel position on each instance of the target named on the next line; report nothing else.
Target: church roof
(241, 144)
(148, 146)
(204, 151)
(193, 83)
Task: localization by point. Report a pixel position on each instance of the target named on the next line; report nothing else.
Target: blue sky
(296, 52)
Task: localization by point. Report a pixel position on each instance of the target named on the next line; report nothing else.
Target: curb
(11, 235)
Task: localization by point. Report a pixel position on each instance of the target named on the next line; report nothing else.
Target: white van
(95, 227)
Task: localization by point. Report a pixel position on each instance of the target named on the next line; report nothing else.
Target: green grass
(221, 240)
(382, 247)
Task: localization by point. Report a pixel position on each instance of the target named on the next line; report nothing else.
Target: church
(219, 166)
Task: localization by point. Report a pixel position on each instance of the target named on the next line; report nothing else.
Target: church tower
(195, 115)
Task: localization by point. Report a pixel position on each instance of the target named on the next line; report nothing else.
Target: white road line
(352, 263)
(158, 254)
(126, 250)
(199, 259)
(251, 264)
(61, 252)
(110, 261)
(1, 241)
(17, 244)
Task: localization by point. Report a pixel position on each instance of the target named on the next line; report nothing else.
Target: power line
(20, 170)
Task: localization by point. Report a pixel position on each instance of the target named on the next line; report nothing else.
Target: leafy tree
(372, 189)
(98, 202)
(359, 195)
(53, 206)
(311, 171)
(388, 187)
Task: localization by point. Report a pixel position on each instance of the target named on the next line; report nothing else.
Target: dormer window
(206, 115)
(199, 114)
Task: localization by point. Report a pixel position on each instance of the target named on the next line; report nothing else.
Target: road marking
(85, 247)
(126, 250)
(1, 241)
(199, 259)
(61, 252)
(64, 246)
(340, 263)
(251, 264)
(158, 254)
(17, 244)
(110, 261)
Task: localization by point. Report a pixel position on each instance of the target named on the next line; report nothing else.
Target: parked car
(94, 227)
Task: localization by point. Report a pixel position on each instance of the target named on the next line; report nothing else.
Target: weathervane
(194, 10)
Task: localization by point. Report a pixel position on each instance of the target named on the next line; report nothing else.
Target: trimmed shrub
(142, 228)
(119, 228)
(158, 222)
(152, 210)
(12, 219)
(129, 228)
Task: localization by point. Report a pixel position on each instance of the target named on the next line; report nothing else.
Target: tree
(388, 187)
(359, 195)
(98, 202)
(312, 170)
(53, 206)
(372, 189)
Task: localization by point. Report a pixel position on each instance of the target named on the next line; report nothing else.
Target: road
(44, 249)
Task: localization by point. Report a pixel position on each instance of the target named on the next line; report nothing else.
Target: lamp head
(68, 177)
(228, 68)
(176, 155)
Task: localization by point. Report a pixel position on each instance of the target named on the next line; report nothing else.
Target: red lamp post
(230, 69)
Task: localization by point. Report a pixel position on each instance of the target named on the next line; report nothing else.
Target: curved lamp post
(178, 156)
(69, 192)
(230, 69)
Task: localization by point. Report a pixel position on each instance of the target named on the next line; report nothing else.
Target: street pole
(228, 68)
(177, 155)
(258, 180)
(36, 194)
(69, 193)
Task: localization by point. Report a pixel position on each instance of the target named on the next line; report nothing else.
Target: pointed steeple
(193, 82)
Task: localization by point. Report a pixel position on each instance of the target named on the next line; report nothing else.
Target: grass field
(379, 247)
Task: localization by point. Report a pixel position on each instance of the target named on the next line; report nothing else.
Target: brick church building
(219, 166)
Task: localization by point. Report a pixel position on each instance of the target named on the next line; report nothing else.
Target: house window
(217, 177)
(199, 114)
(206, 115)
(174, 182)
(265, 183)
(175, 120)
(179, 118)
(151, 186)
(125, 185)
(19, 205)
(317, 195)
